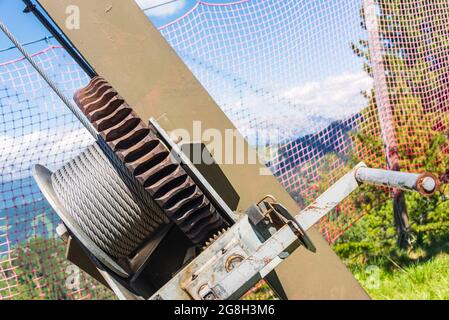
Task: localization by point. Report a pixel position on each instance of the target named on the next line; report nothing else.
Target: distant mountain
(333, 138)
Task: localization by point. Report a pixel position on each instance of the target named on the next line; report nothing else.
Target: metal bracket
(268, 214)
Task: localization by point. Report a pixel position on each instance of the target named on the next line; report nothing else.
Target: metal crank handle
(426, 183)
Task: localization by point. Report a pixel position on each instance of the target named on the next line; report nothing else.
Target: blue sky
(167, 13)
(291, 57)
(26, 28)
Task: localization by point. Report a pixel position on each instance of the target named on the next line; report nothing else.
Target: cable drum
(109, 206)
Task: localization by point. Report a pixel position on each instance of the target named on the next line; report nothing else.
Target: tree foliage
(37, 270)
(416, 61)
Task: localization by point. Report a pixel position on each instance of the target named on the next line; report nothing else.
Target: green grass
(427, 280)
(261, 292)
(419, 281)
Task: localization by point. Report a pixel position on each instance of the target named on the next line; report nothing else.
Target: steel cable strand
(114, 198)
(50, 82)
(135, 187)
(85, 221)
(96, 157)
(108, 198)
(99, 218)
(141, 218)
(61, 188)
(125, 199)
(135, 227)
(91, 217)
(106, 236)
(125, 194)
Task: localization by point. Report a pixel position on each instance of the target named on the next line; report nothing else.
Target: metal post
(79, 59)
(386, 117)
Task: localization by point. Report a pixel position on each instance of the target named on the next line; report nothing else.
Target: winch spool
(115, 212)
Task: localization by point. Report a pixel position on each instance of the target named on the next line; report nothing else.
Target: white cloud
(162, 11)
(303, 109)
(335, 97)
(18, 154)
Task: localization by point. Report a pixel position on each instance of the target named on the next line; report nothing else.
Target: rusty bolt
(427, 184)
(205, 293)
(233, 261)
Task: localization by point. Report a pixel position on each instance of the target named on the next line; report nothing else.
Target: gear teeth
(149, 161)
(89, 89)
(214, 238)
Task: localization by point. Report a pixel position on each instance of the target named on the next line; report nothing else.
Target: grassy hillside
(387, 272)
(418, 281)
(427, 280)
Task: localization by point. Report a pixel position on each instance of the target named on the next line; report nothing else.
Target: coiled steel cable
(112, 209)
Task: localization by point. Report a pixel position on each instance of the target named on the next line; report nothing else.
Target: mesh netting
(36, 127)
(314, 86)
